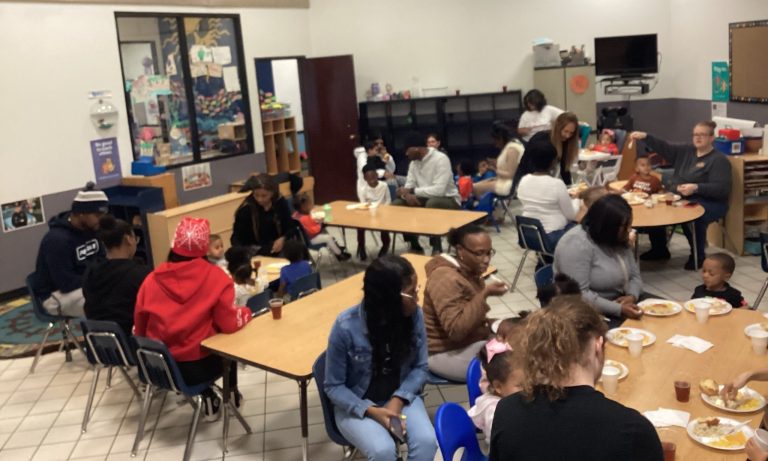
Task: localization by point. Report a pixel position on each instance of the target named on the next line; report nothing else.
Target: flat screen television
(626, 55)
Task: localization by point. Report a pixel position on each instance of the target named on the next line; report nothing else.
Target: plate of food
(760, 326)
(274, 268)
(318, 215)
(717, 306)
(619, 365)
(747, 400)
(634, 198)
(618, 336)
(662, 197)
(719, 433)
(660, 307)
(360, 206)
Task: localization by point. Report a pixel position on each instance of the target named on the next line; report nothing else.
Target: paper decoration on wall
(579, 84)
(199, 53)
(21, 214)
(231, 79)
(170, 65)
(214, 70)
(145, 86)
(222, 55)
(106, 160)
(198, 69)
(196, 176)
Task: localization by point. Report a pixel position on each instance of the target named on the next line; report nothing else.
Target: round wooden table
(664, 215)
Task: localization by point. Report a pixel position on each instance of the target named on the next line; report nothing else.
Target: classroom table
(302, 333)
(650, 383)
(664, 215)
(432, 222)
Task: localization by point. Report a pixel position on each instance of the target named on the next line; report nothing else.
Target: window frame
(194, 134)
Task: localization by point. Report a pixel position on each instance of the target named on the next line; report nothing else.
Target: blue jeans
(377, 444)
(555, 235)
(713, 211)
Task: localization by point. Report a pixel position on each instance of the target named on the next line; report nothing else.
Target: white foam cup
(611, 379)
(635, 343)
(702, 313)
(759, 341)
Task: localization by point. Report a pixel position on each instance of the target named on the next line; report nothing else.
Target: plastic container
(729, 147)
(730, 134)
(328, 213)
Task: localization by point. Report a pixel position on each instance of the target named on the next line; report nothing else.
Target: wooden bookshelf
(281, 145)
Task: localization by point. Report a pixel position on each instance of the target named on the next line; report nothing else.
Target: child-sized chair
(318, 371)
(531, 237)
(259, 303)
(454, 429)
(474, 373)
(304, 286)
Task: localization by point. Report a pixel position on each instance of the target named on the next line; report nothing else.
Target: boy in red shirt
(643, 180)
(186, 300)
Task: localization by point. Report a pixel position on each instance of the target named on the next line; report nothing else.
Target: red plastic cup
(669, 449)
(276, 307)
(682, 391)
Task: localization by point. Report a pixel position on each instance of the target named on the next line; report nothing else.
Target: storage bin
(729, 147)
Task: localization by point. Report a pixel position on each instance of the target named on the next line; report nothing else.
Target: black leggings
(206, 369)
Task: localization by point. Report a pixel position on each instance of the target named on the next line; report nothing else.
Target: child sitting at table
(715, 273)
(463, 178)
(562, 285)
(376, 193)
(607, 143)
(239, 267)
(484, 171)
(216, 250)
(295, 252)
(643, 180)
(504, 374)
(317, 235)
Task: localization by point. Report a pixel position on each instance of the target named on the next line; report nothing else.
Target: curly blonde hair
(555, 339)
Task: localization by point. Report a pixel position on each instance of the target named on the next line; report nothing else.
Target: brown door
(330, 125)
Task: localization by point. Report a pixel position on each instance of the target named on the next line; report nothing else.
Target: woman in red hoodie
(186, 300)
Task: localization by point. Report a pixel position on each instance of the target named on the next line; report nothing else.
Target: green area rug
(21, 332)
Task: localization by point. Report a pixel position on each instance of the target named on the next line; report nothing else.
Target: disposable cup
(682, 391)
(702, 313)
(373, 210)
(669, 449)
(276, 307)
(761, 437)
(611, 379)
(759, 341)
(635, 343)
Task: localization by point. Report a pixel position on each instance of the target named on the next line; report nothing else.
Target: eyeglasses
(702, 135)
(490, 253)
(412, 295)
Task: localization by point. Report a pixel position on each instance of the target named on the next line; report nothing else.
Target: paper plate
(660, 307)
(634, 198)
(613, 363)
(616, 336)
(274, 268)
(747, 401)
(762, 326)
(732, 442)
(716, 306)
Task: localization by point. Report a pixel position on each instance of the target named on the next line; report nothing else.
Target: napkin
(693, 343)
(664, 417)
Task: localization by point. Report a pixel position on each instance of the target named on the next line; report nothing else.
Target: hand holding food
(709, 386)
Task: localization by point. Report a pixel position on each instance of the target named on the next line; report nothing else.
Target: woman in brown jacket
(455, 304)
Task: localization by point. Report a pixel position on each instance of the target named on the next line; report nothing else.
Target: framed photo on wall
(21, 214)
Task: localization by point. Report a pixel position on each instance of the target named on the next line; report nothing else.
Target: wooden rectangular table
(302, 334)
(431, 222)
(650, 383)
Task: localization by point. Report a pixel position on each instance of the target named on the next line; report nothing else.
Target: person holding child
(376, 365)
(559, 400)
(643, 180)
(263, 219)
(701, 175)
(374, 153)
(506, 163)
(715, 273)
(374, 193)
(484, 171)
(316, 234)
(455, 302)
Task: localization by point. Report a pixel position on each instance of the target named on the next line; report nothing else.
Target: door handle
(352, 136)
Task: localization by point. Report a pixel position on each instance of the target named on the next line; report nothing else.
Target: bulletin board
(748, 43)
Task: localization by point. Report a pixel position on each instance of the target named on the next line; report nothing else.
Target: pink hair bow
(610, 132)
(494, 346)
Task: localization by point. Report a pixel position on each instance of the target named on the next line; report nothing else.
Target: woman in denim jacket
(376, 365)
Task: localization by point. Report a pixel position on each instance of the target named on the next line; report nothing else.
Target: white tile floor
(40, 413)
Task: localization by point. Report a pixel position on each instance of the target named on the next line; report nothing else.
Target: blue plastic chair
(531, 237)
(54, 321)
(454, 429)
(158, 369)
(318, 371)
(107, 348)
(474, 373)
(544, 276)
(259, 304)
(764, 264)
(304, 286)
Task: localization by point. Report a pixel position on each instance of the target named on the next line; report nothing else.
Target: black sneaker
(211, 406)
(239, 400)
(343, 256)
(416, 248)
(689, 266)
(655, 255)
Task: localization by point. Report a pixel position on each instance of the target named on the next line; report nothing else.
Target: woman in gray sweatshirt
(598, 256)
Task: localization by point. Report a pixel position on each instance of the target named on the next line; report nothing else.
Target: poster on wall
(196, 176)
(720, 81)
(106, 160)
(21, 214)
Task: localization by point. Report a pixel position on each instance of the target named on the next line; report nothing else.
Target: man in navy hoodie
(65, 250)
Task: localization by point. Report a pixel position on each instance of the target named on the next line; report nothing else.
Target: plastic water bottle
(328, 214)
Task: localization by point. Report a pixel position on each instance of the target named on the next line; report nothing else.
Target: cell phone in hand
(396, 428)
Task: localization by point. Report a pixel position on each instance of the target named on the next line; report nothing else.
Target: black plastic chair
(158, 369)
(54, 321)
(107, 348)
(531, 237)
(318, 371)
(304, 286)
(259, 304)
(764, 264)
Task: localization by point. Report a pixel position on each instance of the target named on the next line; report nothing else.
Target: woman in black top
(110, 285)
(263, 220)
(564, 137)
(559, 402)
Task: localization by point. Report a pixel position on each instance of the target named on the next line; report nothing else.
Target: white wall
(54, 54)
(472, 46)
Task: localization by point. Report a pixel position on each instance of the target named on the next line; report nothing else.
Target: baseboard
(13, 294)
